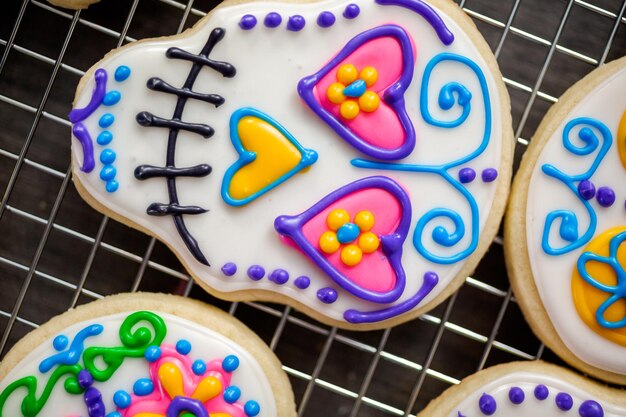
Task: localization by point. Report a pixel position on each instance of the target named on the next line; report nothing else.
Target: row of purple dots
(563, 401)
(297, 22)
(604, 195)
(281, 277)
(468, 175)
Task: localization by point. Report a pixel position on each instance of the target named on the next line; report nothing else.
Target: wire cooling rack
(56, 252)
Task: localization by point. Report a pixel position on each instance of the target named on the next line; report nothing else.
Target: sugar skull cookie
(143, 355)
(566, 226)
(348, 158)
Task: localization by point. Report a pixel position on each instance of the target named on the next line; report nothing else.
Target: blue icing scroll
(72, 355)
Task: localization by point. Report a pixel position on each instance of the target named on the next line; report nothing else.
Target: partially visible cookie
(527, 389)
(566, 226)
(73, 4)
(135, 355)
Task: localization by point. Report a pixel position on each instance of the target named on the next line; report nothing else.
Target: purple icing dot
(326, 19)
(487, 404)
(467, 175)
(279, 276)
(606, 196)
(351, 11)
(273, 20)
(541, 392)
(302, 282)
(256, 272)
(490, 175)
(229, 269)
(590, 408)
(247, 22)
(564, 401)
(586, 189)
(516, 395)
(85, 379)
(327, 295)
(296, 23)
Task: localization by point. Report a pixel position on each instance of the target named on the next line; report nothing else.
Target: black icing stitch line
(170, 172)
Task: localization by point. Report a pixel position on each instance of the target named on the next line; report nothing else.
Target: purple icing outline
(393, 95)
(391, 244)
(82, 134)
(427, 12)
(78, 115)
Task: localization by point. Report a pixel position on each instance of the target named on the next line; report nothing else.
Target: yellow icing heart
(275, 157)
(621, 140)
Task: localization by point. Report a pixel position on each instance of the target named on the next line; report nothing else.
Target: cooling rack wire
(56, 252)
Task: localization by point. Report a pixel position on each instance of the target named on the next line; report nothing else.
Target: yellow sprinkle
(349, 109)
(369, 242)
(351, 255)
(337, 218)
(329, 242)
(347, 74)
(369, 75)
(369, 102)
(365, 220)
(335, 93)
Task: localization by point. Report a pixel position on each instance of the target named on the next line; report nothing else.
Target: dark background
(56, 252)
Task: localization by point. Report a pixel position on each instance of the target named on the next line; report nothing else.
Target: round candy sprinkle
(489, 175)
(487, 404)
(327, 295)
(143, 387)
(232, 394)
(85, 379)
(256, 272)
(198, 367)
(302, 282)
(279, 276)
(252, 408)
(590, 408)
(247, 22)
(183, 347)
(106, 120)
(114, 414)
(112, 186)
(104, 138)
(516, 395)
(230, 363)
(152, 353)
(296, 23)
(541, 392)
(111, 98)
(467, 175)
(348, 233)
(606, 196)
(326, 19)
(107, 156)
(60, 342)
(229, 269)
(564, 401)
(273, 20)
(122, 73)
(586, 189)
(352, 11)
(108, 172)
(121, 399)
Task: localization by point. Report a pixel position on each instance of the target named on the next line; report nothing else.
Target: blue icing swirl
(72, 355)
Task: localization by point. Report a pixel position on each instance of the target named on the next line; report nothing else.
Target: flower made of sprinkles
(351, 91)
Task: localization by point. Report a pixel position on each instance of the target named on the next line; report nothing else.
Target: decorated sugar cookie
(73, 4)
(527, 389)
(566, 226)
(349, 158)
(143, 355)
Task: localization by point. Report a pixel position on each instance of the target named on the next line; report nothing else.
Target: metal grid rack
(56, 252)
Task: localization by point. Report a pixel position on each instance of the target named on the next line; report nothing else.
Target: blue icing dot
(105, 138)
(111, 98)
(106, 120)
(108, 172)
(252, 408)
(143, 387)
(121, 399)
(112, 186)
(60, 342)
(198, 367)
(232, 394)
(152, 353)
(114, 414)
(230, 363)
(122, 73)
(107, 156)
(183, 347)
(356, 89)
(348, 233)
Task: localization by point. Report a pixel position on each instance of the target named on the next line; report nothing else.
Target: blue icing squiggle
(72, 355)
(450, 94)
(569, 224)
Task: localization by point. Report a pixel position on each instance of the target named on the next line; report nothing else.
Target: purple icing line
(391, 244)
(430, 281)
(393, 96)
(78, 115)
(82, 134)
(428, 13)
(180, 404)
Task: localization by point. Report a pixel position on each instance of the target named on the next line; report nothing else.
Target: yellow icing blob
(347, 74)
(365, 220)
(621, 140)
(208, 388)
(172, 379)
(337, 218)
(349, 109)
(369, 102)
(588, 299)
(369, 242)
(335, 93)
(275, 157)
(329, 242)
(351, 255)
(369, 75)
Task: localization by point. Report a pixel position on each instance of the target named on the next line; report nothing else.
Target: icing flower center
(356, 236)
(351, 92)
